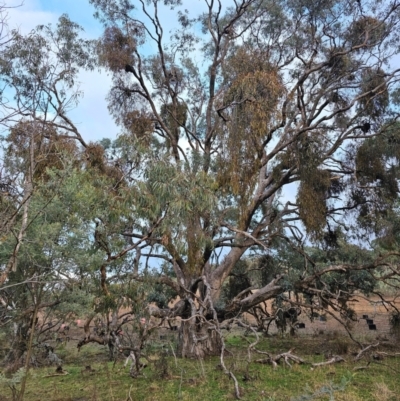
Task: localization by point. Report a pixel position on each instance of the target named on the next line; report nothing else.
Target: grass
(203, 380)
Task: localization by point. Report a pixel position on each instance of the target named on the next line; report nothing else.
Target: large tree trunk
(197, 340)
(14, 359)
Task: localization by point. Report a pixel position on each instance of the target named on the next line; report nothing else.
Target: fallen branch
(286, 356)
(129, 398)
(395, 354)
(237, 390)
(364, 350)
(334, 359)
(361, 367)
(57, 374)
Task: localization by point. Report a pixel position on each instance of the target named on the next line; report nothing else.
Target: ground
(168, 378)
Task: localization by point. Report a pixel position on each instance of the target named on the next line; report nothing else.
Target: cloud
(26, 17)
(91, 115)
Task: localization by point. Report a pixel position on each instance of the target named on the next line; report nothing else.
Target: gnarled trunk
(14, 359)
(198, 339)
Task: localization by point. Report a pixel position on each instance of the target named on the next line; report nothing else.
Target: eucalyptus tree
(57, 274)
(55, 188)
(238, 105)
(38, 73)
(39, 77)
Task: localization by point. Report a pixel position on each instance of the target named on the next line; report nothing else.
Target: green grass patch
(167, 378)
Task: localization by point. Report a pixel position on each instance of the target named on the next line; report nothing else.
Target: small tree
(39, 72)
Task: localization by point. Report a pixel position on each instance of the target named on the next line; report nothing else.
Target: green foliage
(116, 48)
(13, 382)
(159, 293)
(376, 163)
(339, 63)
(270, 266)
(30, 63)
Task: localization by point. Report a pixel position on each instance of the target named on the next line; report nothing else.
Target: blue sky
(35, 12)
(91, 115)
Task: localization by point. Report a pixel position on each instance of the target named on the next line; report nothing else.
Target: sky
(91, 116)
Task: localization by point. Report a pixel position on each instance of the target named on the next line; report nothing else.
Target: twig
(57, 374)
(387, 366)
(173, 353)
(251, 328)
(129, 394)
(180, 385)
(246, 234)
(388, 354)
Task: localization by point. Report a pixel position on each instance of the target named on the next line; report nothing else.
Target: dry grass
(383, 392)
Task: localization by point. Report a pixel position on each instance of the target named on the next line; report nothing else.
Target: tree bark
(198, 340)
(14, 358)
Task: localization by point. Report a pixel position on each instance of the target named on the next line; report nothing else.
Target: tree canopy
(240, 106)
